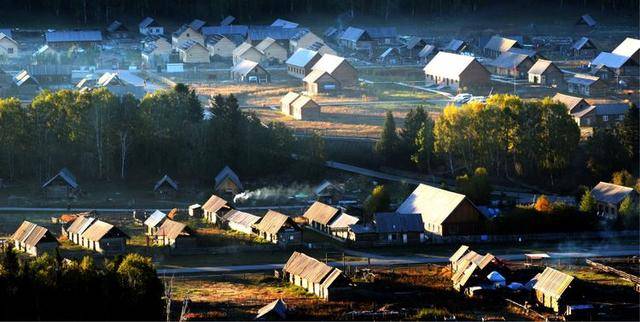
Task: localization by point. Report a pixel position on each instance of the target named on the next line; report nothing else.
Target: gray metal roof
(148, 22)
(583, 79)
(434, 204)
(448, 65)
(344, 220)
(65, 175)
(225, 30)
(354, 34)
(278, 307)
(390, 51)
(196, 24)
(610, 193)
(610, 60)
(155, 219)
(426, 51)
(73, 36)
(382, 32)
(244, 67)
(509, 60)
(226, 172)
(165, 180)
(284, 24)
(7, 32)
(455, 45)
(583, 43)
(241, 218)
(501, 44)
(540, 66)
(257, 33)
(302, 57)
(398, 223)
(329, 63)
(227, 20)
(611, 109)
(628, 47)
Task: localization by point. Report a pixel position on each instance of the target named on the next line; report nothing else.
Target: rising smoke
(278, 193)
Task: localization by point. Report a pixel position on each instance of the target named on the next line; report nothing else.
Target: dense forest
(252, 11)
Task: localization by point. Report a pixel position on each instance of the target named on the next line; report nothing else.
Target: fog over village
(310, 160)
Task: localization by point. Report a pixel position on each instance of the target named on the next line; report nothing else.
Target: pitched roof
(173, 229)
(325, 184)
(389, 51)
(100, 229)
(426, 51)
(587, 20)
(509, 60)
(583, 42)
(314, 75)
(65, 175)
(242, 48)
(32, 234)
(455, 45)
(190, 44)
(7, 32)
(611, 108)
(354, 34)
(309, 268)
(610, 60)
(7, 37)
(241, 218)
(382, 32)
(225, 30)
(302, 57)
(147, 22)
(79, 225)
(459, 253)
(553, 282)
(226, 172)
(610, 193)
(330, 31)
(256, 33)
(278, 307)
(540, 66)
(266, 43)
(284, 24)
(73, 36)
(329, 63)
(197, 24)
(155, 218)
(244, 67)
(501, 44)
(227, 20)
(214, 203)
(115, 26)
(627, 47)
(398, 223)
(321, 213)
(108, 79)
(25, 78)
(570, 101)
(414, 41)
(583, 112)
(448, 65)
(583, 79)
(302, 101)
(343, 221)
(289, 98)
(434, 204)
(215, 38)
(273, 221)
(166, 180)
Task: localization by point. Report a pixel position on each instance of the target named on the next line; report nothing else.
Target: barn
(279, 229)
(395, 228)
(66, 39)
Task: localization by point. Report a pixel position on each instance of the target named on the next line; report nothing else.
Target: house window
(605, 118)
(621, 117)
(10, 50)
(188, 35)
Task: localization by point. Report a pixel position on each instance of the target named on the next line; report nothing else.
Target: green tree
(605, 153)
(387, 146)
(588, 203)
(627, 208)
(629, 133)
(413, 122)
(377, 201)
(623, 178)
(424, 146)
(476, 187)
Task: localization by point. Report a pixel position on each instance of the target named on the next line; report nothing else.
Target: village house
(586, 85)
(586, 20)
(228, 20)
(214, 208)
(8, 46)
(34, 239)
(50, 73)
(197, 24)
(166, 187)
(550, 288)
(74, 230)
(339, 68)
(412, 46)
(175, 234)
(220, 46)
(66, 39)
(192, 52)
(315, 277)
(339, 226)
(154, 221)
(443, 212)
(25, 85)
(282, 23)
(150, 27)
(583, 48)
(395, 228)
(320, 215)
(227, 181)
(321, 82)
(383, 35)
(328, 192)
(117, 30)
(427, 53)
(247, 71)
(300, 63)
(609, 196)
(455, 71)
(240, 221)
(256, 34)
(623, 60)
(185, 34)
(455, 46)
(103, 238)
(471, 270)
(272, 51)
(279, 229)
(546, 73)
(509, 64)
(234, 32)
(322, 48)
(303, 39)
(391, 56)
(62, 185)
(302, 108)
(498, 45)
(285, 102)
(580, 110)
(246, 51)
(602, 115)
(156, 51)
(356, 39)
(274, 311)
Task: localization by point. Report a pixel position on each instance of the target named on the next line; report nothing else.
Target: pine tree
(629, 133)
(626, 207)
(588, 202)
(387, 146)
(424, 146)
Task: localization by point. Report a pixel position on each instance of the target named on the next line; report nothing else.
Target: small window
(605, 118)
(621, 117)
(10, 50)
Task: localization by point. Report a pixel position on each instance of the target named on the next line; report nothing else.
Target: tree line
(50, 288)
(99, 135)
(533, 140)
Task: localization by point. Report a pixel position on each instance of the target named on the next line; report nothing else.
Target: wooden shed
(214, 208)
(316, 277)
(62, 185)
(240, 221)
(444, 212)
(456, 72)
(176, 235)
(339, 226)
(550, 287)
(546, 73)
(248, 71)
(272, 51)
(227, 181)
(279, 229)
(34, 239)
(320, 215)
(302, 107)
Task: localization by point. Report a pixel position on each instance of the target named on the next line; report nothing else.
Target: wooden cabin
(609, 196)
(427, 53)
(339, 68)
(279, 229)
(240, 221)
(512, 65)
(321, 82)
(273, 52)
(154, 221)
(104, 238)
(455, 46)
(227, 181)
(214, 208)
(356, 39)
(316, 277)
(166, 187)
(246, 51)
(220, 46)
(186, 34)
(192, 52)
(300, 63)
(62, 185)
(583, 48)
(150, 27)
(394, 228)
(175, 235)
(8, 46)
(498, 45)
(586, 85)
(320, 215)
(443, 212)
(546, 73)
(34, 240)
(550, 288)
(248, 71)
(456, 72)
(339, 226)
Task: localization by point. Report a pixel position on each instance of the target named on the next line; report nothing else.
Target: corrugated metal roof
(509, 60)
(257, 33)
(173, 229)
(612, 108)
(214, 203)
(225, 30)
(7, 32)
(147, 22)
(284, 24)
(99, 229)
(321, 213)
(65, 175)
(79, 225)
(610, 193)
(627, 47)
(583, 43)
(314, 75)
(32, 234)
(448, 65)
(197, 24)
(343, 221)
(308, 268)
(459, 253)
(569, 101)
(303, 101)
(166, 180)
(241, 218)
(610, 60)
(226, 172)
(155, 219)
(273, 221)
(583, 112)
(398, 223)
(426, 51)
(329, 63)
(73, 36)
(302, 57)
(455, 45)
(289, 98)
(227, 20)
(540, 67)
(433, 204)
(266, 43)
(553, 282)
(279, 307)
(244, 67)
(583, 79)
(501, 44)
(354, 34)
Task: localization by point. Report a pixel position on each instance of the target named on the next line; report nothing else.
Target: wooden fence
(609, 269)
